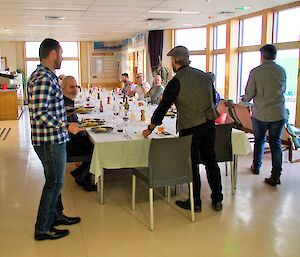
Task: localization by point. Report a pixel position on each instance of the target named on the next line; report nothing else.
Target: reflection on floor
(258, 220)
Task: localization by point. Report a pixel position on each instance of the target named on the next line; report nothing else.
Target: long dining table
(128, 149)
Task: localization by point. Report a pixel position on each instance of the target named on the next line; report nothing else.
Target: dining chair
(169, 164)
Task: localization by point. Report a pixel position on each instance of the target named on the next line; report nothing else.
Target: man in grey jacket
(266, 86)
(191, 90)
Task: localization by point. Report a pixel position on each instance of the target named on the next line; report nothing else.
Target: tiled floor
(258, 221)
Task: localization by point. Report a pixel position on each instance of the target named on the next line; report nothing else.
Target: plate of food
(83, 110)
(170, 114)
(88, 123)
(102, 129)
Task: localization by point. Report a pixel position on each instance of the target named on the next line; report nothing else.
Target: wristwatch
(150, 128)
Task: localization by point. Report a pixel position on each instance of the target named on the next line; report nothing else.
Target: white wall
(13, 51)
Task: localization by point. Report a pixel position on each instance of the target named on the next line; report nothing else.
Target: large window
(219, 71)
(192, 39)
(289, 59)
(220, 37)
(70, 63)
(286, 25)
(250, 31)
(247, 61)
(198, 62)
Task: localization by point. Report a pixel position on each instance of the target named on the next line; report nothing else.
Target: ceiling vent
(226, 12)
(54, 18)
(157, 20)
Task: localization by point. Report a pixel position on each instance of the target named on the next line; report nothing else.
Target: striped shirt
(46, 108)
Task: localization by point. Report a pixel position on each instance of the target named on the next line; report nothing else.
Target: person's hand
(74, 128)
(146, 133)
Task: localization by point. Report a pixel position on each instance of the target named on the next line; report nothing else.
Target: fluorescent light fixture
(173, 12)
(7, 30)
(56, 9)
(51, 25)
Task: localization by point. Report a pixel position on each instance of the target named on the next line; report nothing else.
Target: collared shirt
(139, 89)
(69, 104)
(46, 108)
(266, 86)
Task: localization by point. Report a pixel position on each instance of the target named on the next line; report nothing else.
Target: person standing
(192, 92)
(49, 134)
(266, 86)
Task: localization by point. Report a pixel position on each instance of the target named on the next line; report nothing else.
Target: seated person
(217, 99)
(156, 91)
(79, 144)
(128, 87)
(142, 87)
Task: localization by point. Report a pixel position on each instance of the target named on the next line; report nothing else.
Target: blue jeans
(275, 129)
(53, 158)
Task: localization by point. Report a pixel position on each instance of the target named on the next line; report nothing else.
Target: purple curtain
(155, 46)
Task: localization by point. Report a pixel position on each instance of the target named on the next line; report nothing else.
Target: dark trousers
(203, 151)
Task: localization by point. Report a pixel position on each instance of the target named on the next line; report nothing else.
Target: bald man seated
(80, 143)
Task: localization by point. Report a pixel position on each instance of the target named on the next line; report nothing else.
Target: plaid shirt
(46, 108)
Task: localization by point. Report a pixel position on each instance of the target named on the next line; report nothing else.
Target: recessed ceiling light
(173, 12)
(188, 24)
(212, 17)
(55, 18)
(56, 9)
(242, 8)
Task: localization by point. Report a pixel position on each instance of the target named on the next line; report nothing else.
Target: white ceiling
(110, 20)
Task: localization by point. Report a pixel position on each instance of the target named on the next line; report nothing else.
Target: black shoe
(187, 205)
(254, 170)
(79, 181)
(64, 220)
(88, 186)
(52, 234)
(273, 181)
(77, 172)
(217, 206)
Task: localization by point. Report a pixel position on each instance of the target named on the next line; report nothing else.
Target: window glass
(250, 31)
(192, 39)
(198, 62)
(287, 27)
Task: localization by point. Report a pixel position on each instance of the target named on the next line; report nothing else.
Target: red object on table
(4, 86)
(222, 118)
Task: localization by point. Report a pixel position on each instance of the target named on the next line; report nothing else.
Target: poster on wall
(3, 64)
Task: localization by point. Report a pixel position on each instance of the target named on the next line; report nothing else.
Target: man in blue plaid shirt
(49, 134)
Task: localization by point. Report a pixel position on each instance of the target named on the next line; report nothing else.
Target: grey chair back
(223, 144)
(170, 161)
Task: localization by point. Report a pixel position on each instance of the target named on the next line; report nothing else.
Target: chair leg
(133, 192)
(169, 194)
(166, 191)
(226, 169)
(177, 189)
(192, 202)
(151, 209)
(232, 177)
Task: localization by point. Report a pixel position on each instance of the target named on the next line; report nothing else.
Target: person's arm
(145, 87)
(40, 100)
(169, 96)
(250, 90)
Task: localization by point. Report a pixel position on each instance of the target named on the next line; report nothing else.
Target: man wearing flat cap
(191, 91)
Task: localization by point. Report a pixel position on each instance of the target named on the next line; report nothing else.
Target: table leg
(233, 173)
(100, 188)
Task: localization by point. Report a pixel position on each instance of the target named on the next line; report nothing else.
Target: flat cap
(179, 52)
